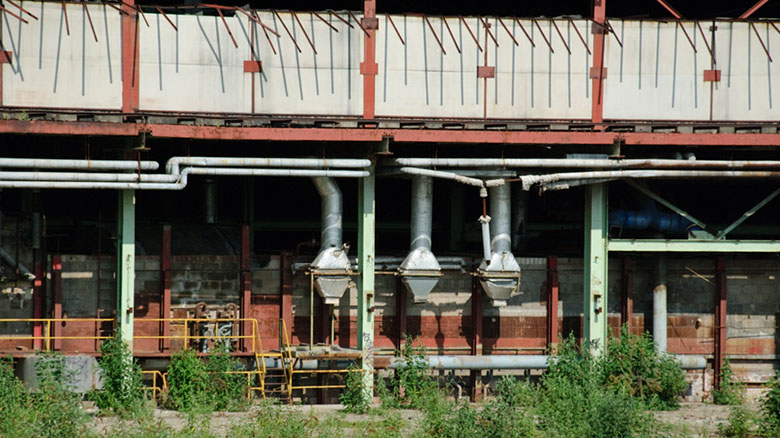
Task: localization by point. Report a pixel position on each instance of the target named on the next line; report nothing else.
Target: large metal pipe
(529, 181)
(422, 212)
(501, 219)
(331, 230)
(510, 362)
(659, 305)
(583, 163)
(43, 163)
(173, 164)
(444, 175)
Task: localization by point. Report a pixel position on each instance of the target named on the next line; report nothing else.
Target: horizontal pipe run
(515, 362)
(584, 163)
(444, 175)
(44, 163)
(529, 181)
(86, 176)
(173, 164)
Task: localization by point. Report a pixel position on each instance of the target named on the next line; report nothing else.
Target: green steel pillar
(125, 271)
(366, 253)
(594, 324)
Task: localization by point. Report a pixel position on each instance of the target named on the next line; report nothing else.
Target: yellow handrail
(47, 336)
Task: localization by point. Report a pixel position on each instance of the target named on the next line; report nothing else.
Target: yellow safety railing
(255, 344)
(48, 336)
(290, 370)
(156, 389)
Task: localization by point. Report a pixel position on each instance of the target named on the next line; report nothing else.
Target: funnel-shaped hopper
(420, 273)
(500, 277)
(331, 274)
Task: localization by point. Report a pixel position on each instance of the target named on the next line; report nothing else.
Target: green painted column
(594, 324)
(125, 272)
(366, 253)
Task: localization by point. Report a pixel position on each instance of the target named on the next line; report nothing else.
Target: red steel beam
(325, 21)
(753, 9)
(130, 63)
(585, 43)
(23, 10)
(400, 312)
(390, 19)
(543, 36)
(425, 17)
(56, 287)
(369, 67)
(476, 40)
(246, 289)
(563, 40)
(165, 280)
(766, 50)
(89, 18)
(445, 136)
(39, 302)
(720, 319)
(508, 32)
(627, 299)
(552, 300)
(670, 9)
(526, 33)
(599, 18)
(452, 36)
(287, 291)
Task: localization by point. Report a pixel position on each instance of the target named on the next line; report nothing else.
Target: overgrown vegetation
(412, 383)
(122, 391)
(731, 390)
(770, 408)
(355, 398)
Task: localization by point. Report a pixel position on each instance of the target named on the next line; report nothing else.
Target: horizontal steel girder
(681, 245)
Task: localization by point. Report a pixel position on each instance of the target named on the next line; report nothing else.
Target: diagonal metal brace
(666, 203)
(747, 214)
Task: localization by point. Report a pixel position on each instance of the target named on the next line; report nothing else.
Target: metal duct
(331, 266)
(420, 271)
(500, 274)
(659, 305)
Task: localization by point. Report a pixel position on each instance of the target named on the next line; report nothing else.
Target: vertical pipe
(720, 319)
(501, 219)
(594, 325)
(331, 233)
(627, 299)
(659, 305)
(165, 276)
(552, 300)
(422, 212)
(126, 265)
(246, 288)
(285, 309)
(56, 286)
(366, 255)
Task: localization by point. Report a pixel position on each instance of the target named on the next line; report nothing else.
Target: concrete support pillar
(594, 323)
(125, 272)
(366, 256)
(659, 305)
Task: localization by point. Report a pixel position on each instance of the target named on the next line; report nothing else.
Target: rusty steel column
(627, 299)
(245, 294)
(598, 72)
(56, 287)
(400, 312)
(287, 289)
(369, 68)
(720, 329)
(476, 340)
(552, 300)
(39, 303)
(130, 65)
(165, 282)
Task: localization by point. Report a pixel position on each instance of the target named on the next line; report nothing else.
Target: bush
(412, 381)
(355, 398)
(188, 381)
(228, 390)
(730, 391)
(56, 409)
(770, 408)
(122, 390)
(15, 403)
(633, 366)
(514, 392)
(739, 424)
(284, 422)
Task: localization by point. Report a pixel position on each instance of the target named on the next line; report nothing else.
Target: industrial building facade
(312, 186)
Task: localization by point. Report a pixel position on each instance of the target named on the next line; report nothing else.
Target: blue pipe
(650, 219)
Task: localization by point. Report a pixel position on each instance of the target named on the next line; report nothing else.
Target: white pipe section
(332, 206)
(314, 163)
(659, 306)
(84, 176)
(507, 362)
(529, 181)
(444, 175)
(42, 163)
(582, 163)
(500, 219)
(485, 221)
(422, 212)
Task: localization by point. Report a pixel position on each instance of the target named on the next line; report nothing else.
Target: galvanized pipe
(584, 163)
(509, 362)
(44, 163)
(501, 219)
(444, 175)
(529, 181)
(331, 234)
(422, 212)
(173, 164)
(659, 306)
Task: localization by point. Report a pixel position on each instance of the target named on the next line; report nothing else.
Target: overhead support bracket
(753, 9)
(666, 203)
(669, 8)
(748, 213)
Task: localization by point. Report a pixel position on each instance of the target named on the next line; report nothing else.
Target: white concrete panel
(660, 78)
(418, 79)
(747, 90)
(535, 82)
(54, 69)
(327, 82)
(197, 69)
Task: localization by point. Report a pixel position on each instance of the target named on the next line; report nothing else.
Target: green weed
(122, 391)
(355, 398)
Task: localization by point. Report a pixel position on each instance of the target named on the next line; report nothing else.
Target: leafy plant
(730, 391)
(227, 389)
(188, 381)
(412, 382)
(122, 379)
(739, 424)
(770, 408)
(355, 398)
(514, 392)
(57, 409)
